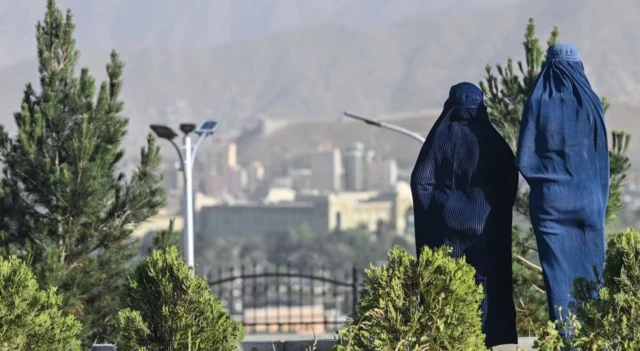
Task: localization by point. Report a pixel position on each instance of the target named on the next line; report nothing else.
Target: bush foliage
(430, 304)
(608, 319)
(168, 308)
(31, 319)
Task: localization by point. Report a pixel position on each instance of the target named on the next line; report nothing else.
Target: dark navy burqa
(464, 186)
(563, 155)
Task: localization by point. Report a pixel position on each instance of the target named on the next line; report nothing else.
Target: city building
(322, 212)
(282, 182)
(368, 170)
(383, 174)
(162, 220)
(354, 168)
(246, 219)
(255, 176)
(232, 180)
(279, 195)
(300, 179)
(222, 175)
(326, 169)
(297, 318)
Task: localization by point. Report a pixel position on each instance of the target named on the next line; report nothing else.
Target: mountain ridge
(320, 70)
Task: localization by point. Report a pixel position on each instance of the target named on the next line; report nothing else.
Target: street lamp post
(187, 154)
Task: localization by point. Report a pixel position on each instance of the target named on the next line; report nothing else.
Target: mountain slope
(320, 71)
(196, 24)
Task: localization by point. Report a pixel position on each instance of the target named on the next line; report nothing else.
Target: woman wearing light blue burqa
(464, 185)
(563, 155)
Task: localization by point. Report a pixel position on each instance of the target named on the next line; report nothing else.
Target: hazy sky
(133, 24)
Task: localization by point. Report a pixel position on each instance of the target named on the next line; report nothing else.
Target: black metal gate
(269, 299)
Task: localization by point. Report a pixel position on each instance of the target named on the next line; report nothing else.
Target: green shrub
(30, 318)
(608, 319)
(432, 304)
(168, 308)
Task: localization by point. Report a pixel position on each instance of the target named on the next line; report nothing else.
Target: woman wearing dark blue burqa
(563, 155)
(464, 186)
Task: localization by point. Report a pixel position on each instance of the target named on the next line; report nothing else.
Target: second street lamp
(187, 155)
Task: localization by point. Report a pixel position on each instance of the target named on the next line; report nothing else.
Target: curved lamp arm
(175, 146)
(393, 127)
(196, 146)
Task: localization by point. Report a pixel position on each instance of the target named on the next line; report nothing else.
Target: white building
(383, 174)
(354, 168)
(326, 170)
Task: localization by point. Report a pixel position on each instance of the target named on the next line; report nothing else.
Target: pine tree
(430, 303)
(505, 98)
(64, 206)
(30, 318)
(167, 307)
(165, 238)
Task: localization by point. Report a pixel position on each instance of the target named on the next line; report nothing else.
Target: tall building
(369, 170)
(232, 155)
(223, 155)
(232, 180)
(326, 169)
(255, 176)
(354, 168)
(383, 174)
(221, 169)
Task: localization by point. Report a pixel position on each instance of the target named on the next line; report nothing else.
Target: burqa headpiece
(464, 185)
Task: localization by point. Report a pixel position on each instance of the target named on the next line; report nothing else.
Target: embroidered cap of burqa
(563, 155)
(464, 186)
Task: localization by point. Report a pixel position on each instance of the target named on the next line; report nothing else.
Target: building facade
(326, 170)
(322, 212)
(354, 168)
(383, 174)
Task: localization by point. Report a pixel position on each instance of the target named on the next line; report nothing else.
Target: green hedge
(31, 318)
(430, 304)
(167, 307)
(607, 318)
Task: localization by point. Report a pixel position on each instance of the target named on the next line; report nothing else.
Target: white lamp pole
(187, 155)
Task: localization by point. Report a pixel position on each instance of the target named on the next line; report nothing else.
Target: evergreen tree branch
(64, 205)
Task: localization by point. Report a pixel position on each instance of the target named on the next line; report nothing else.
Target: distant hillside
(317, 72)
(301, 138)
(196, 24)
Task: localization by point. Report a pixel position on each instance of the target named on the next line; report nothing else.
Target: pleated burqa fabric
(464, 186)
(563, 155)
